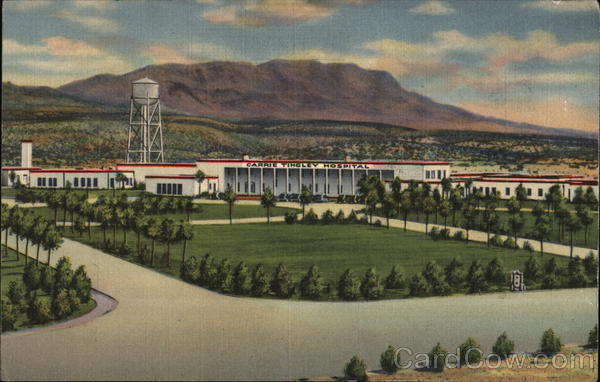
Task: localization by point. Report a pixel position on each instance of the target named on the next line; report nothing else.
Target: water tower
(145, 140)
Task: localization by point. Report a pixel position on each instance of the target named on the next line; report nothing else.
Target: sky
(533, 61)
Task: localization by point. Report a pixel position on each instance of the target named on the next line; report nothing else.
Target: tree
(63, 276)
(31, 276)
(79, 226)
(550, 343)
(587, 219)
(61, 305)
(503, 346)
(521, 193)
(470, 352)
(311, 285)
(260, 281)
(52, 241)
(224, 278)
(405, 206)
(495, 273)
(267, 200)
(185, 233)
(437, 358)
(456, 204)
(444, 211)
(241, 279)
(429, 207)
(572, 225)
(152, 233)
(388, 204)
(356, 369)
(81, 284)
(538, 210)
(562, 213)
(27, 225)
(476, 278)
(189, 270)
(455, 275)
(5, 219)
(447, 187)
(590, 265)
(9, 316)
(389, 360)
(395, 279)
(38, 311)
(576, 276)
(372, 190)
(200, 177)
(590, 198)
(306, 198)
(139, 227)
(418, 286)
(593, 337)
(15, 294)
(397, 193)
(87, 211)
(371, 287)
(207, 271)
(348, 286)
(15, 222)
(281, 283)
(230, 197)
(533, 269)
(516, 223)
(168, 233)
(39, 233)
(469, 219)
(104, 217)
(542, 230)
(491, 222)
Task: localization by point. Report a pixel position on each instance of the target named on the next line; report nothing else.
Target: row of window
(486, 190)
(85, 182)
(52, 182)
(430, 174)
(169, 188)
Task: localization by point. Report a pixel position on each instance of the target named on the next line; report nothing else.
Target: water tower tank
(144, 90)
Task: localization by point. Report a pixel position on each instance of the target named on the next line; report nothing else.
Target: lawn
(203, 212)
(93, 193)
(12, 270)
(332, 248)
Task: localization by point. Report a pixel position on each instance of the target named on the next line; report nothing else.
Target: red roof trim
(80, 171)
(26, 141)
(177, 177)
(157, 164)
(318, 161)
(20, 168)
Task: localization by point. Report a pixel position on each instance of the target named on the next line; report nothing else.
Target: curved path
(165, 329)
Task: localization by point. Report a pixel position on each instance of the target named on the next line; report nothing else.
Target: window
(289, 187)
(529, 192)
(317, 187)
(439, 174)
(82, 182)
(158, 190)
(444, 173)
(89, 182)
(487, 190)
(427, 174)
(95, 182)
(179, 189)
(540, 192)
(112, 182)
(238, 187)
(39, 182)
(169, 188)
(76, 182)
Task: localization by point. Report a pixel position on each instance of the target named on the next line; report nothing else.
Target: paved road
(165, 329)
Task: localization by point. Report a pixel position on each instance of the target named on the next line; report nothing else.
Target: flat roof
(81, 171)
(177, 177)
(318, 161)
(20, 168)
(157, 164)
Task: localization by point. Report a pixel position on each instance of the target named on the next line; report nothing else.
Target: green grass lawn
(204, 212)
(93, 193)
(578, 238)
(12, 270)
(332, 248)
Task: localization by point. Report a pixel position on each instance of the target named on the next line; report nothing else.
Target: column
(339, 182)
(300, 180)
(353, 182)
(326, 181)
(248, 182)
(235, 180)
(274, 175)
(313, 180)
(261, 180)
(287, 179)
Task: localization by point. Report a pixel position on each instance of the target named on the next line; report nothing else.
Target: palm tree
(52, 241)
(388, 204)
(73, 204)
(121, 179)
(397, 192)
(444, 211)
(456, 204)
(542, 230)
(200, 176)
(405, 206)
(5, 226)
(429, 207)
(28, 226)
(184, 233)
(104, 217)
(469, 218)
(87, 210)
(39, 232)
(230, 197)
(139, 227)
(490, 220)
(15, 222)
(187, 205)
(126, 221)
(267, 200)
(168, 233)
(53, 200)
(572, 225)
(586, 218)
(64, 205)
(446, 187)
(152, 232)
(306, 198)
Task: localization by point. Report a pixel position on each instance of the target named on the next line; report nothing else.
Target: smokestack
(26, 153)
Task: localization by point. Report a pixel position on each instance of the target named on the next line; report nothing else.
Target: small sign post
(517, 283)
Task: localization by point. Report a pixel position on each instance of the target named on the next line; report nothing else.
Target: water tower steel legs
(145, 140)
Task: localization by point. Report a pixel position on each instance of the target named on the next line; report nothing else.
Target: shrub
(63, 274)
(206, 271)
(340, 218)
(61, 306)
(291, 217)
(82, 284)
(455, 275)
(144, 255)
(550, 282)
(593, 337)
(241, 279)
(352, 217)
(38, 311)
(495, 273)
(590, 264)
(311, 285)
(340, 199)
(444, 234)
(9, 317)
(434, 232)
(532, 269)
(550, 343)
(377, 223)
(418, 286)
(364, 220)
(348, 286)
(371, 287)
(15, 294)
(350, 199)
(389, 360)
(74, 300)
(527, 246)
(123, 250)
(260, 281)
(356, 369)
(459, 236)
(31, 276)
(327, 217)
(47, 279)
(395, 279)
(224, 278)
(476, 278)
(281, 283)
(510, 243)
(437, 358)
(503, 346)
(496, 241)
(310, 217)
(470, 352)
(189, 270)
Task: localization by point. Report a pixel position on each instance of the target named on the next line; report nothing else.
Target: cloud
(260, 13)
(93, 23)
(56, 45)
(563, 6)
(12, 47)
(555, 111)
(187, 54)
(26, 6)
(100, 5)
(433, 8)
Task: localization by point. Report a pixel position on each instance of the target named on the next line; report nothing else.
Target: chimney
(347, 158)
(26, 153)
(245, 157)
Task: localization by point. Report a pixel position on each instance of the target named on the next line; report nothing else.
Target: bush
(352, 217)
(144, 255)
(339, 199)
(291, 217)
(123, 250)
(418, 286)
(389, 360)
(510, 243)
(327, 217)
(340, 218)
(310, 217)
(281, 283)
(356, 369)
(459, 236)
(206, 271)
(82, 284)
(593, 337)
(495, 273)
(395, 279)
(224, 278)
(47, 279)
(476, 278)
(260, 281)
(189, 270)
(15, 294)
(434, 232)
(444, 234)
(31, 276)
(503, 346)
(496, 241)
(348, 286)
(437, 358)
(241, 279)
(371, 287)
(470, 352)
(455, 275)
(61, 305)
(527, 246)
(63, 274)
(550, 343)
(532, 269)
(311, 285)
(377, 223)
(38, 311)
(9, 316)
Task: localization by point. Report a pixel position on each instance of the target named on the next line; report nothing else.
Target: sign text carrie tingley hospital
(307, 165)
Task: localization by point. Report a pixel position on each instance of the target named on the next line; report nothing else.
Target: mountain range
(293, 90)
